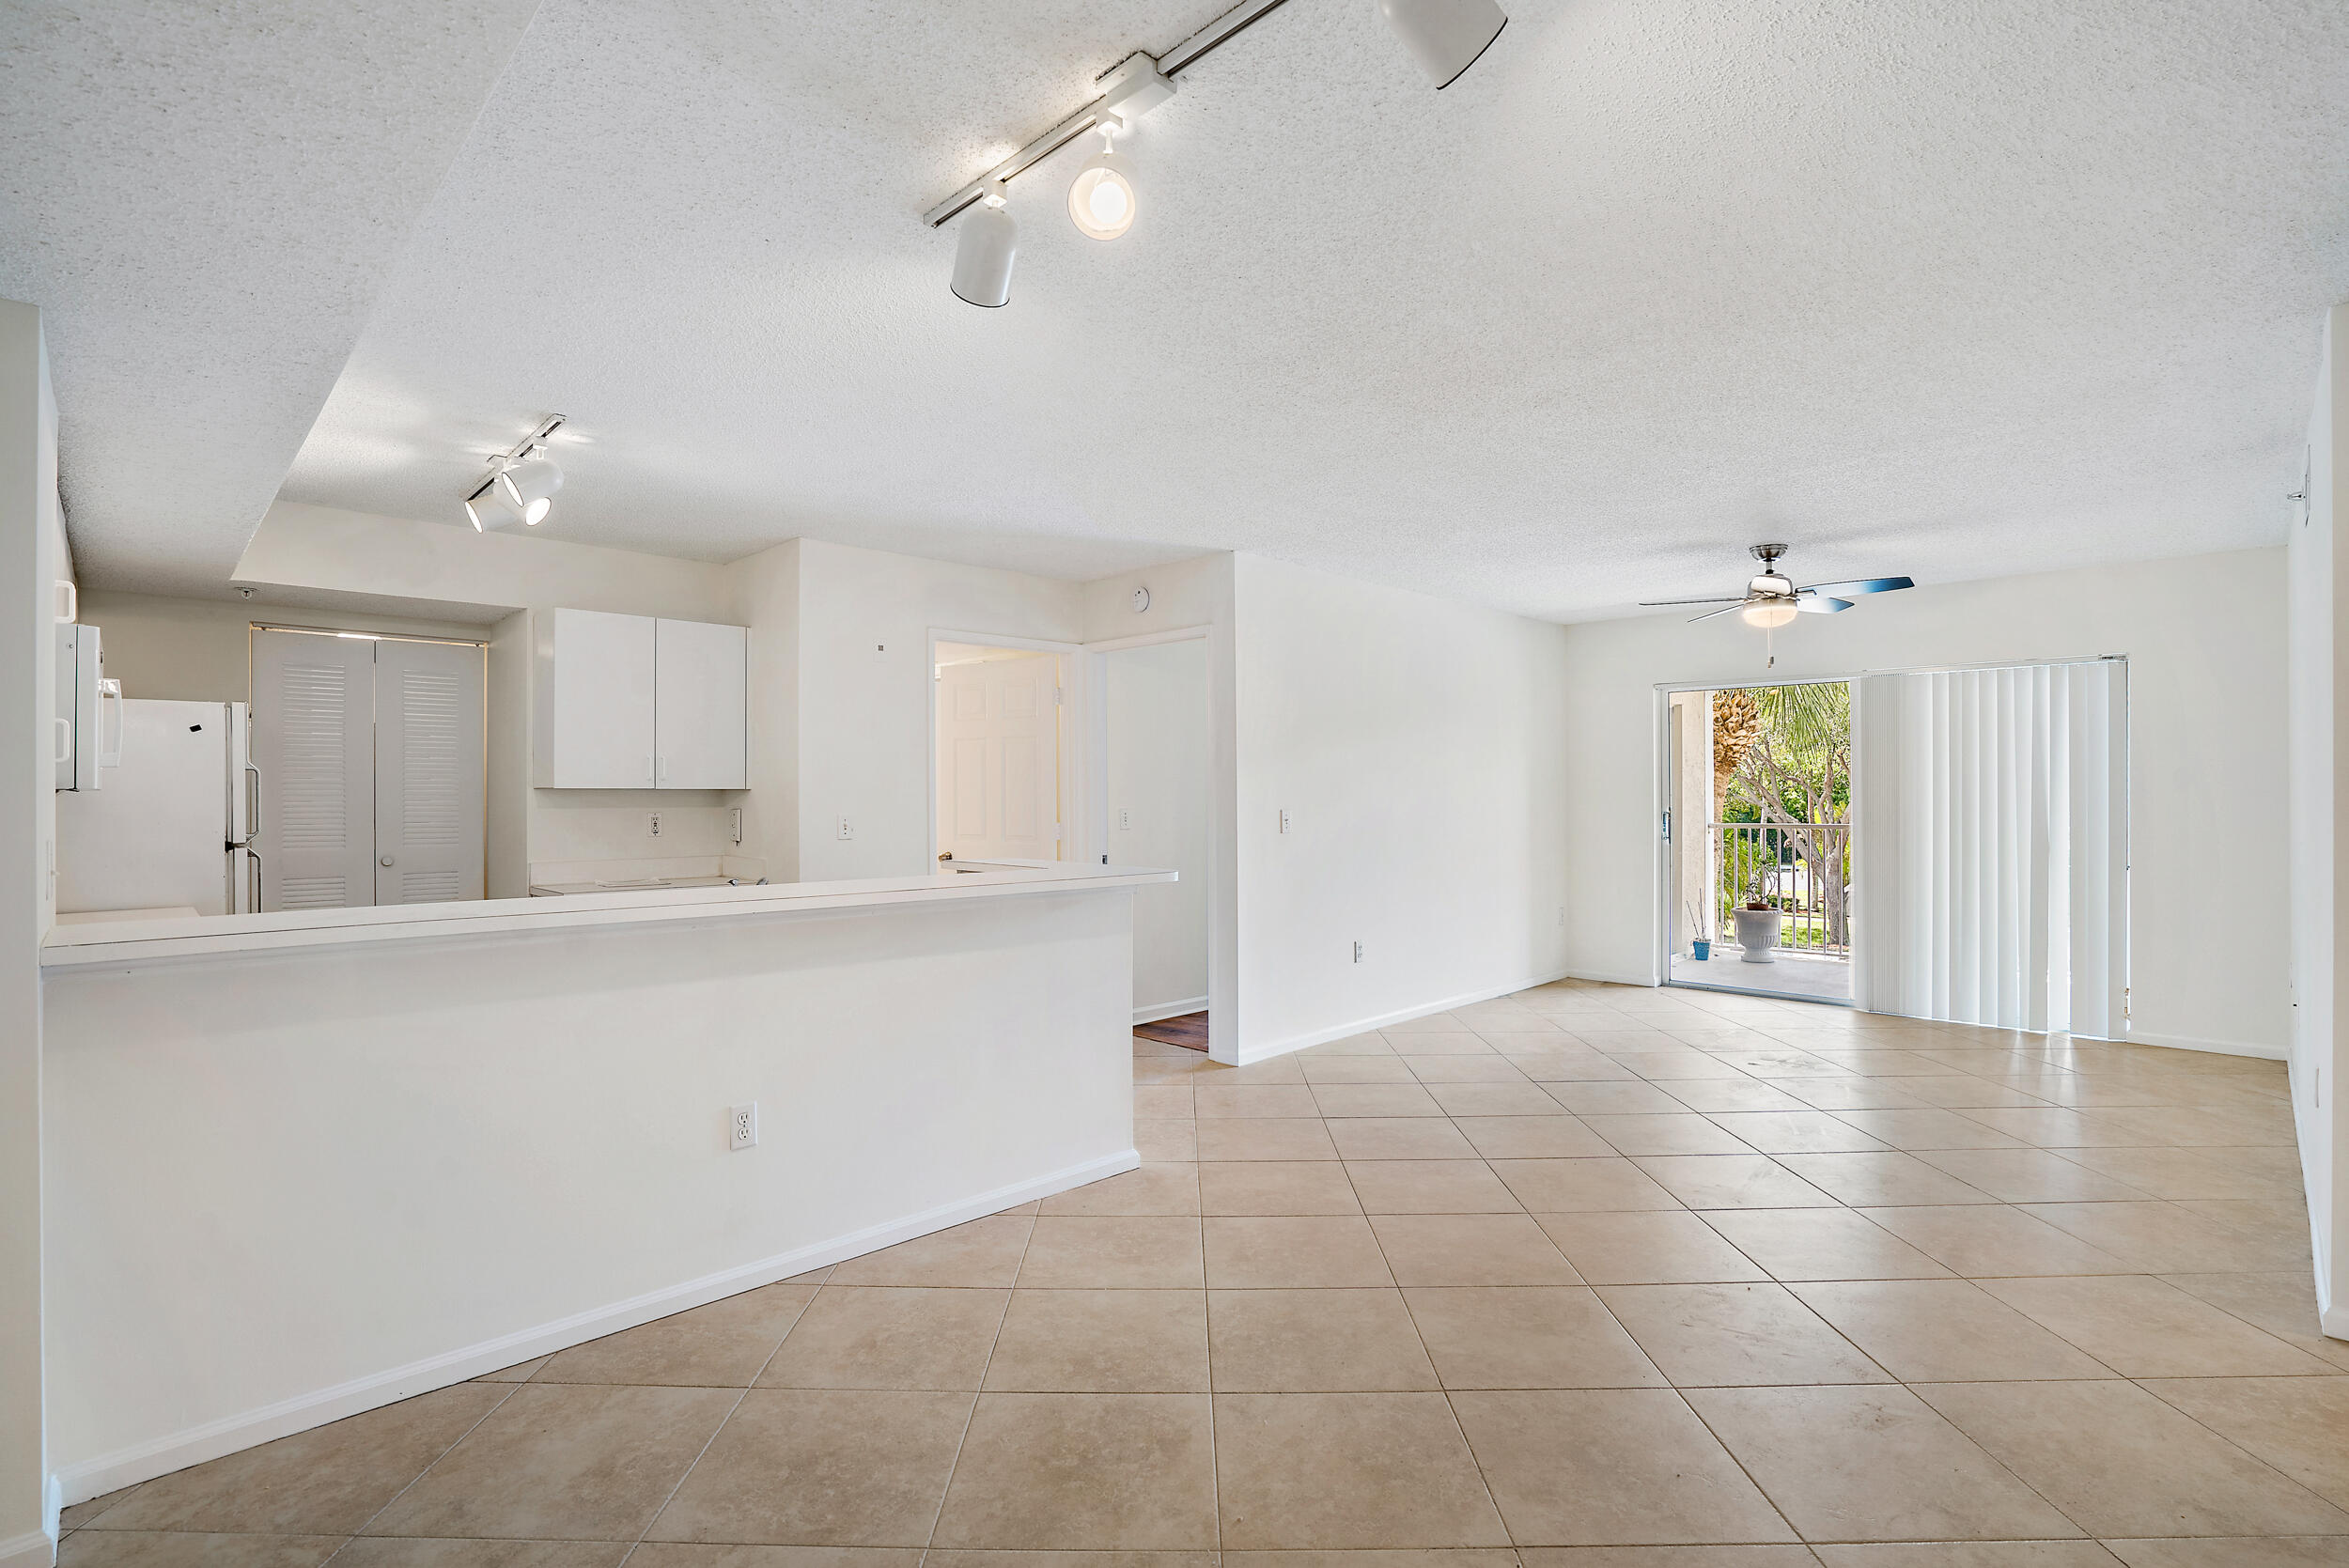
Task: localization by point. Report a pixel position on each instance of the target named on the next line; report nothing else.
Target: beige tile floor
(1587, 1278)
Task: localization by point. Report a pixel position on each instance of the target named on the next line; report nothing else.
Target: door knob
(385, 861)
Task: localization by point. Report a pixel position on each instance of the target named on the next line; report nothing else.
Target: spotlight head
(1101, 197)
(1445, 36)
(984, 247)
(529, 487)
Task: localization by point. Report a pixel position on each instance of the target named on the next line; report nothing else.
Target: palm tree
(1795, 767)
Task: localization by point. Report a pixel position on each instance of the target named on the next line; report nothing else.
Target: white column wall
(2318, 600)
(32, 558)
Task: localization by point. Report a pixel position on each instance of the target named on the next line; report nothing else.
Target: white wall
(1421, 749)
(1161, 813)
(2318, 600)
(864, 692)
(2205, 639)
(31, 559)
(365, 1172)
(766, 590)
(199, 651)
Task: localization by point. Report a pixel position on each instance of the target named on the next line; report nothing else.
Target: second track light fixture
(1444, 37)
(521, 483)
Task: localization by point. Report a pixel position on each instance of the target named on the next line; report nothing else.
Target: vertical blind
(1990, 858)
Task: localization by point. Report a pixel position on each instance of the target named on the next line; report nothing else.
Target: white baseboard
(35, 1549)
(1156, 1010)
(125, 1467)
(2221, 1048)
(1649, 981)
(1360, 1025)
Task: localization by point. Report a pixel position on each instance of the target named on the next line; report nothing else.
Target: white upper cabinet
(628, 702)
(700, 727)
(594, 707)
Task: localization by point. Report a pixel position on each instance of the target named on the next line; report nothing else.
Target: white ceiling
(1954, 290)
(204, 200)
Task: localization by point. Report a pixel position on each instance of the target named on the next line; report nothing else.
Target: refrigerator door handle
(253, 878)
(110, 692)
(65, 740)
(253, 809)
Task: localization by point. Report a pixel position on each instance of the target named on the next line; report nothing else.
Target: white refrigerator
(172, 829)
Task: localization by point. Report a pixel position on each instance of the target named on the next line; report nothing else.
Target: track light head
(1101, 198)
(529, 487)
(1445, 36)
(984, 250)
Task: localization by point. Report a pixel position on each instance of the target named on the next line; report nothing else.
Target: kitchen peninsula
(404, 1147)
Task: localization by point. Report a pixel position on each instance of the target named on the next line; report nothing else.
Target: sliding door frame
(1660, 875)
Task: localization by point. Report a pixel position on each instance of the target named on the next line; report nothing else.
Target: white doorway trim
(1070, 741)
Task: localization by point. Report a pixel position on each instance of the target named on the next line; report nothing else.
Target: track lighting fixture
(1101, 197)
(984, 250)
(1445, 36)
(521, 483)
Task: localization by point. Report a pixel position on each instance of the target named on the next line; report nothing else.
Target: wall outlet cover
(652, 823)
(846, 830)
(742, 1125)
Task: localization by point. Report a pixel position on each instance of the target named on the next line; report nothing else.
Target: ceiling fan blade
(1666, 603)
(1731, 607)
(1819, 604)
(1861, 585)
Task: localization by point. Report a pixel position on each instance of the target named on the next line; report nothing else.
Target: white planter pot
(1757, 933)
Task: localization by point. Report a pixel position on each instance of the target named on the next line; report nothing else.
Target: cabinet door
(597, 685)
(703, 709)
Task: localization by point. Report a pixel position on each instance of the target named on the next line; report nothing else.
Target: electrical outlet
(1284, 822)
(742, 1125)
(1358, 952)
(846, 830)
(1124, 820)
(1562, 917)
(652, 823)
(734, 824)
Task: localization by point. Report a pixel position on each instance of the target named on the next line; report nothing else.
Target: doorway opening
(1758, 877)
(998, 792)
(1155, 804)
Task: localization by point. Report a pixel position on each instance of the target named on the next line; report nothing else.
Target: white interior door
(314, 740)
(428, 779)
(702, 684)
(1155, 752)
(999, 758)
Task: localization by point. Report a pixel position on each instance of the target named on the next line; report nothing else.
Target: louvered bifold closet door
(428, 783)
(314, 742)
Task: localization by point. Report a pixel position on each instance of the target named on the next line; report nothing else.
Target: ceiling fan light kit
(1772, 600)
(1443, 37)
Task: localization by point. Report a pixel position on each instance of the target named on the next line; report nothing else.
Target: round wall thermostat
(1141, 601)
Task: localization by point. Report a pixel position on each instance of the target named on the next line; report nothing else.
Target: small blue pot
(1700, 951)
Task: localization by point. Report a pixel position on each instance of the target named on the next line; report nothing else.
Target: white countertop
(152, 940)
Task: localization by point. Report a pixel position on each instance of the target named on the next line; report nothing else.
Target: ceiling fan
(1772, 599)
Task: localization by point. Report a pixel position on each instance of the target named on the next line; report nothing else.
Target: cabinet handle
(649, 776)
(660, 774)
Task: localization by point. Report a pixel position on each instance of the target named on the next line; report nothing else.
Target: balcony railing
(1802, 869)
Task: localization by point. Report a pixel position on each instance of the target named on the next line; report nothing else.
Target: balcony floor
(1812, 979)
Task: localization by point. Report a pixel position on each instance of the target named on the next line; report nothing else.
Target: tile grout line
(669, 1497)
(512, 1389)
(946, 1488)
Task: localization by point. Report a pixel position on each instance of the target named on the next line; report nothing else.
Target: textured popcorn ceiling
(205, 201)
(1950, 290)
